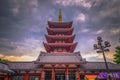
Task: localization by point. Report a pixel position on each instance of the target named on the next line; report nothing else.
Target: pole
(105, 62)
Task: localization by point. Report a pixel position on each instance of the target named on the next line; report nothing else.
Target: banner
(112, 75)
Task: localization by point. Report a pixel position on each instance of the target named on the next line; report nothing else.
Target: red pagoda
(60, 38)
(60, 61)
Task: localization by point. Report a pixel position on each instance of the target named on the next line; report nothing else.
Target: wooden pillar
(78, 75)
(41, 74)
(67, 73)
(53, 73)
(6, 78)
(26, 76)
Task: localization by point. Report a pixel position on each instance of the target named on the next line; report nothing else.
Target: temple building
(59, 62)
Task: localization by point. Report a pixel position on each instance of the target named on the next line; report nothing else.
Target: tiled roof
(60, 24)
(4, 68)
(11, 66)
(87, 66)
(60, 58)
(99, 66)
(23, 65)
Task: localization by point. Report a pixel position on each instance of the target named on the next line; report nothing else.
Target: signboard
(90, 77)
(112, 75)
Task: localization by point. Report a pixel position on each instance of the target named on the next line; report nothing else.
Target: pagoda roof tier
(54, 31)
(63, 38)
(69, 47)
(59, 24)
(69, 58)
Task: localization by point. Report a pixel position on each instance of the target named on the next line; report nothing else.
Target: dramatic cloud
(23, 25)
(115, 31)
(100, 31)
(81, 17)
(81, 3)
(85, 30)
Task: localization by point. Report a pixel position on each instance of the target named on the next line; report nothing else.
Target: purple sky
(23, 25)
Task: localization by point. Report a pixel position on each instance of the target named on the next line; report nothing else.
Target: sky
(23, 26)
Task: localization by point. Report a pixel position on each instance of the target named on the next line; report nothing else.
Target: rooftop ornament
(60, 16)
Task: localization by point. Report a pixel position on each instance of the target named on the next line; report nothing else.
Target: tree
(117, 55)
(4, 60)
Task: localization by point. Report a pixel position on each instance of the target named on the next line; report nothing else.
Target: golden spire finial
(60, 16)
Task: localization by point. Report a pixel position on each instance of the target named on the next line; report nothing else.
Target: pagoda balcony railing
(64, 53)
(60, 29)
(61, 44)
(61, 36)
(59, 24)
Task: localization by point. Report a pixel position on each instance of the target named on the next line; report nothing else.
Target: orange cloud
(20, 58)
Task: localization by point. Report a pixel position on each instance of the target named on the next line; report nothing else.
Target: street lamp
(103, 48)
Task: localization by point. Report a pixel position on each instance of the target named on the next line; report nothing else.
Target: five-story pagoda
(60, 62)
(60, 38)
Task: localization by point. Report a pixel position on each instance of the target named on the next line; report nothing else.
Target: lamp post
(101, 49)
